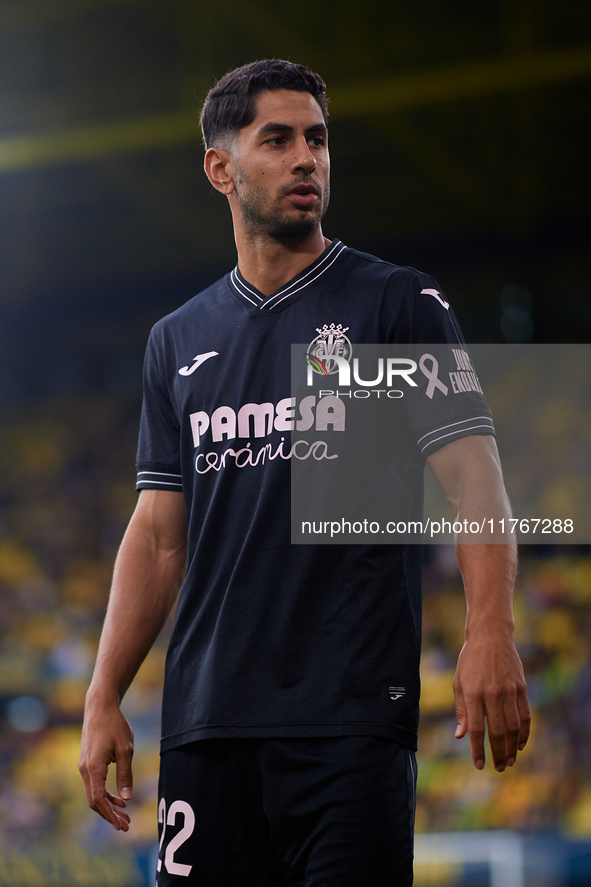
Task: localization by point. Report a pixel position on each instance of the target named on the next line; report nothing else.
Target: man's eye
(276, 140)
(318, 141)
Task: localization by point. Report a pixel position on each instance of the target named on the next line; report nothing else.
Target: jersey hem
(267, 731)
(477, 429)
(156, 476)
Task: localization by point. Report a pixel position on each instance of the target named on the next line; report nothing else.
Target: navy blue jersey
(270, 638)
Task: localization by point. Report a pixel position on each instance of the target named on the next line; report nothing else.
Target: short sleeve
(158, 456)
(448, 402)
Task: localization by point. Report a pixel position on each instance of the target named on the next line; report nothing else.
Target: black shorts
(313, 812)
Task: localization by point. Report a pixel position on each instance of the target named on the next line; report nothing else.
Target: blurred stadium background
(460, 145)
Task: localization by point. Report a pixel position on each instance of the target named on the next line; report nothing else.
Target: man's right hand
(148, 573)
(107, 738)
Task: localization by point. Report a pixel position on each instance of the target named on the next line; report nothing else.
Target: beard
(263, 220)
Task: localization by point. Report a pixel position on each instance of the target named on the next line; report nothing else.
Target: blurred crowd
(66, 494)
(550, 786)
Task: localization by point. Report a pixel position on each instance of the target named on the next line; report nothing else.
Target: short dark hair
(231, 104)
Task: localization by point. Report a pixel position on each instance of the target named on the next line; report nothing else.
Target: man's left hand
(489, 682)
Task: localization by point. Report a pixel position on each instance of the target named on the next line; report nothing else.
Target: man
(285, 758)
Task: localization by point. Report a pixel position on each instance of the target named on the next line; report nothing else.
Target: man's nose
(303, 158)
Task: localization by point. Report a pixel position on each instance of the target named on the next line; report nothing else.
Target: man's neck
(267, 263)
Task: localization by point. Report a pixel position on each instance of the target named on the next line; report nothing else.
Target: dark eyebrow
(285, 127)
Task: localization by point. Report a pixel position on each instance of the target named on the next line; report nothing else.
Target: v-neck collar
(289, 291)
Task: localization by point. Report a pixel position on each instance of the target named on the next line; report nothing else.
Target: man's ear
(219, 169)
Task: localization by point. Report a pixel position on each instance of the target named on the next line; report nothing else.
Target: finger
(495, 723)
(524, 718)
(118, 817)
(461, 717)
(113, 799)
(512, 730)
(105, 808)
(120, 814)
(475, 715)
(119, 820)
(124, 773)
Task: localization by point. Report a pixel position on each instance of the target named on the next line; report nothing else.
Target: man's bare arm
(148, 574)
(489, 679)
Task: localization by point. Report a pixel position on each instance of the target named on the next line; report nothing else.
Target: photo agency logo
(330, 354)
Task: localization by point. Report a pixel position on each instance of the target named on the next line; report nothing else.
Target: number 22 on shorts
(172, 867)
